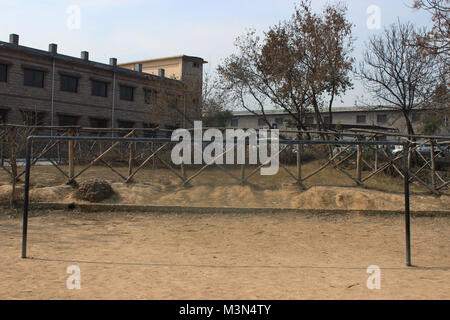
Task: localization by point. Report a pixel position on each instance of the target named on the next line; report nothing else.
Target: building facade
(40, 87)
(348, 117)
(187, 69)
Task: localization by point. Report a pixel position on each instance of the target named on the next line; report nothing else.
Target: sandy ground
(226, 256)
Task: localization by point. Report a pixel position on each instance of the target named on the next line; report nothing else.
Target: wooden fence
(429, 156)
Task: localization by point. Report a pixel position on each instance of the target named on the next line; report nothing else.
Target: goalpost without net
(405, 153)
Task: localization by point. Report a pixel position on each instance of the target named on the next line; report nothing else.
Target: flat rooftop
(184, 57)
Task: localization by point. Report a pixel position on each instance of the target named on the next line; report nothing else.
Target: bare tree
(16, 141)
(436, 118)
(295, 66)
(241, 78)
(399, 75)
(436, 41)
(214, 104)
(213, 99)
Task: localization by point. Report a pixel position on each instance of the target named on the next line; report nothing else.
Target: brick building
(187, 69)
(40, 87)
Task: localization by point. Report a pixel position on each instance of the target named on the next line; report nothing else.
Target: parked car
(348, 148)
(444, 146)
(426, 149)
(397, 149)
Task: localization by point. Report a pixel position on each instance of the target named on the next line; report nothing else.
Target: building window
(361, 118)
(33, 118)
(261, 122)
(98, 123)
(416, 116)
(196, 65)
(126, 93)
(279, 121)
(3, 72)
(69, 84)
(149, 133)
(234, 122)
(65, 120)
(170, 129)
(173, 102)
(309, 120)
(33, 78)
(381, 118)
(326, 119)
(149, 96)
(99, 88)
(3, 114)
(125, 124)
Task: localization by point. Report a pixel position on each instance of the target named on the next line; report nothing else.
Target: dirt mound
(317, 198)
(321, 197)
(232, 196)
(346, 198)
(45, 194)
(94, 190)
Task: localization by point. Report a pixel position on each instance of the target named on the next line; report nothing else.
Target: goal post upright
(26, 197)
(407, 204)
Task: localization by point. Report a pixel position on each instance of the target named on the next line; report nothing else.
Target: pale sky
(133, 30)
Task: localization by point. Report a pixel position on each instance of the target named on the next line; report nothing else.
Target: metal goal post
(406, 146)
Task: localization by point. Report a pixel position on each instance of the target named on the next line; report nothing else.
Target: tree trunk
(409, 125)
(12, 159)
(330, 106)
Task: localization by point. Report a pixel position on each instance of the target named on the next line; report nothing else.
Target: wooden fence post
(2, 156)
(410, 157)
(13, 162)
(246, 148)
(433, 166)
(131, 159)
(183, 170)
(358, 162)
(376, 158)
(153, 159)
(299, 164)
(71, 156)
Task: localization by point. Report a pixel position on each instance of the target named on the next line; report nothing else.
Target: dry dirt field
(223, 256)
(297, 255)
